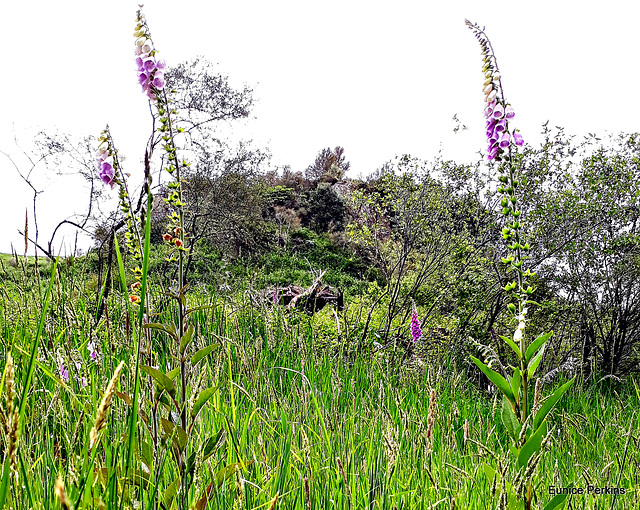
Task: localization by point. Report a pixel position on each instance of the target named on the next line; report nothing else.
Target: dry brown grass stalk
(344, 477)
(431, 419)
(12, 416)
(61, 494)
(101, 417)
(307, 493)
(274, 501)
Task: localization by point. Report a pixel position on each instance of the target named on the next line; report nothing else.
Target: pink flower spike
(505, 140)
(498, 112)
(509, 113)
(416, 330)
(517, 139)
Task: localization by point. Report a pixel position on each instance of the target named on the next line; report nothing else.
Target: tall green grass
(280, 411)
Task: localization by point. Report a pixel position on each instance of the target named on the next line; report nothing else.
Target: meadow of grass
(286, 420)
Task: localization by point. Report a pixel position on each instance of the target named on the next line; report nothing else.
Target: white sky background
(378, 78)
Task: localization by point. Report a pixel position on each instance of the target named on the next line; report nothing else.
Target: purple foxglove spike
(416, 330)
(498, 112)
(161, 64)
(149, 65)
(501, 126)
(517, 139)
(509, 113)
(142, 78)
(505, 140)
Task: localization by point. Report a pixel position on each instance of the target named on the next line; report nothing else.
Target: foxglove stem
(501, 140)
(151, 77)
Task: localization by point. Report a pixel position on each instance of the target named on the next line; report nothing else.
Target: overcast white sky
(379, 78)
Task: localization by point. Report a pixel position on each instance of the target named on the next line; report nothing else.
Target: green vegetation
(244, 337)
(284, 414)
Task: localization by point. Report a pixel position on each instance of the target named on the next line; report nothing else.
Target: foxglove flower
(517, 139)
(93, 351)
(497, 112)
(64, 372)
(150, 75)
(416, 331)
(104, 157)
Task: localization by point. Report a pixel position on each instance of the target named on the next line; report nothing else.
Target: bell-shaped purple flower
(158, 82)
(149, 65)
(505, 140)
(501, 126)
(64, 372)
(509, 113)
(498, 112)
(517, 139)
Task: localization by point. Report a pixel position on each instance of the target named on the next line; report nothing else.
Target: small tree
(330, 165)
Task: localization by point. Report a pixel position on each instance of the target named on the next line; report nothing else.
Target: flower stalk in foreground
(527, 426)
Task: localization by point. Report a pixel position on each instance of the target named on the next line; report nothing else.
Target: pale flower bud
(517, 336)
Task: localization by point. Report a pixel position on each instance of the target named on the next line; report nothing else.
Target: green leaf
(515, 384)
(488, 471)
(531, 446)
(509, 419)
(171, 429)
(513, 345)
(171, 492)
(536, 361)
(228, 471)
(212, 443)
(556, 502)
(535, 345)
(186, 339)
(202, 399)
(205, 351)
(169, 330)
(500, 382)
(172, 374)
(162, 379)
(548, 404)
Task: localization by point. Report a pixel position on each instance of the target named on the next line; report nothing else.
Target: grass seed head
(101, 417)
